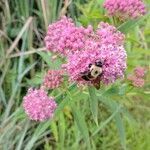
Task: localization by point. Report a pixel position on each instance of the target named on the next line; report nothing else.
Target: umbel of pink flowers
(53, 79)
(125, 9)
(38, 106)
(83, 46)
(137, 77)
(80, 46)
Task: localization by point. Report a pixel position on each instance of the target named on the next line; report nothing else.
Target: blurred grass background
(23, 63)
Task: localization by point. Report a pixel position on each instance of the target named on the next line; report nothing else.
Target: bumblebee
(93, 73)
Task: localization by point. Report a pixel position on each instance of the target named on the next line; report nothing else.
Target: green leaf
(61, 106)
(80, 120)
(129, 25)
(54, 130)
(103, 124)
(36, 80)
(2, 97)
(62, 130)
(93, 103)
(118, 120)
(46, 57)
(120, 126)
(20, 77)
(20, 143)
(37, 134)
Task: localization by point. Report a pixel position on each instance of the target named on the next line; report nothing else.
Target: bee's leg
(85, 78)
(90, 65)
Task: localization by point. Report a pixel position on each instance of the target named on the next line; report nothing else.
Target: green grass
(113, 118)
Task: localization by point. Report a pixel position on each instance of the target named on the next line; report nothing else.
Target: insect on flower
(93, 73)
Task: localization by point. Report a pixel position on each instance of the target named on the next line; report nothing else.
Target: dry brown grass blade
(24, 28)
(4, 35)
(15, 42)
(44, 4)
(27, 52)
(8, 15)
(64, 9)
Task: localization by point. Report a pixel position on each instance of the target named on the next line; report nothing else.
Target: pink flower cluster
(108, 34)
(125, 9)
(137, 78)
(139, 71)
(79, 62)
(113, 59)
(53, 79)
(82, 47)
(38, 106)
(138, 82)
(64, 37)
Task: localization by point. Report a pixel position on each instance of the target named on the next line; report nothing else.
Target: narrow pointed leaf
(93, 104)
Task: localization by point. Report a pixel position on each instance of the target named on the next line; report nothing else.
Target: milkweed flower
(53, 79)
(125, 9)
(139, 71)
(79, 62)
(113, 58)
(114, 62)
(137, 78)
(108, 34)
(138, 82)
(64, 37)
(38, 106)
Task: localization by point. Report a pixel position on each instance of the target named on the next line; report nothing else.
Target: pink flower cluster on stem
(106, 45)
(125, 9)
(137, 78)
(64, 37)
(108, 34)
(82, 47)
(139, 71)
(38, 106)
(53, 79)
(112, 57)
